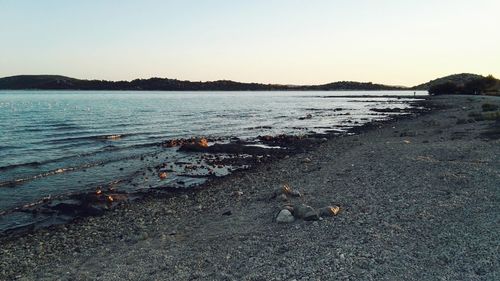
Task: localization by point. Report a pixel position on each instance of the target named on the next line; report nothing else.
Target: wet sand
(419, 200)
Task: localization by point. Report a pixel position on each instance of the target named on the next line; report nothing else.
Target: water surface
(60, 142)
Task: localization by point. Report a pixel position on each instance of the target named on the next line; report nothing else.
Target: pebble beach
(415, 198)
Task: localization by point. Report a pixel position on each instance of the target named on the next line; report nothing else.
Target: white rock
(285, 216)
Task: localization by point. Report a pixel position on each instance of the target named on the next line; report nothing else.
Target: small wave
(90, 138)
(19, 181)
(121, 125)
(7, 147)
(107, 148)
(94, 163)
(29, 129)
(67, 134)
(58, 171)
(52, 126)
(68, 127)
(110, 147)
(32, 164)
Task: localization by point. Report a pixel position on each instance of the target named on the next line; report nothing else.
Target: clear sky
(272, 41)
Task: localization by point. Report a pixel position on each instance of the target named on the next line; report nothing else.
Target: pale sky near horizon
(270, 41)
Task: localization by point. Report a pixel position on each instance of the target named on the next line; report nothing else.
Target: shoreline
(223, 157)
(412, 192)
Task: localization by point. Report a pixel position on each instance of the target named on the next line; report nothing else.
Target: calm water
(42, 132)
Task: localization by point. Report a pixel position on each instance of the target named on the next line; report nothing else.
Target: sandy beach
(418, 198)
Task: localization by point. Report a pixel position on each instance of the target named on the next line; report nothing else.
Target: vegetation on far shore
(55, 82)
(474, 85)
(464, 83)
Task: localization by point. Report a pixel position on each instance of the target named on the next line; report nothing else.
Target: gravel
(419, 200)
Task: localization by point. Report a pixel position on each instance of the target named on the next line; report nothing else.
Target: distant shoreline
(419, 93)
(58, 82)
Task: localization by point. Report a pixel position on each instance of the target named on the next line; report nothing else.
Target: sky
(394, 42)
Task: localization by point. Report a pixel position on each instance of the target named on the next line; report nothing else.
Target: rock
(227, 213)
(74, 209)
(289, 208)
(329, 211)
(388, 110)
(285, 216)
(283, 197)
(286, 189)
(229, 148)
(306, 213)
(163, 175)
(194, 145)
(324, 212)
(311, 215)
(110, 199)
(284, 193)
(203, 142)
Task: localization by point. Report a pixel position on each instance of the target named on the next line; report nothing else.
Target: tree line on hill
(476, 86)
(464, 83)
(54, 82)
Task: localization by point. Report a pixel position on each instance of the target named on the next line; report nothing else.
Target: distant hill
(464, 84)
(36, 82)
(56, 82)
(349, 85)
(457, 79)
